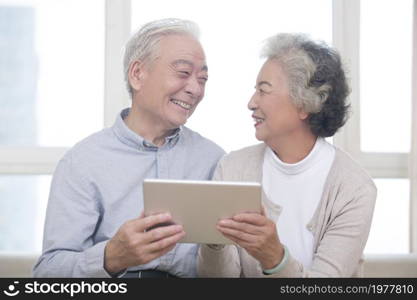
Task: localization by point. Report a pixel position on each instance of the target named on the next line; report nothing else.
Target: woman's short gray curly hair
(317, 81)
(143, 44)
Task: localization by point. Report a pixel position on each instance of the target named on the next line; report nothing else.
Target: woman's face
(275, 115)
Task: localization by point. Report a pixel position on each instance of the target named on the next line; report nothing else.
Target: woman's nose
(252, 104)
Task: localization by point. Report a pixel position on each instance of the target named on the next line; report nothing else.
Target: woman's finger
(241, 226)
(236, 234)
(251, 218)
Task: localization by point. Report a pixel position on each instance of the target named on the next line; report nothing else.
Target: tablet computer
(198, 205)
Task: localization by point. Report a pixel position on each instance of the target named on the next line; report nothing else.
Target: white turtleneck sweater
(297, 189)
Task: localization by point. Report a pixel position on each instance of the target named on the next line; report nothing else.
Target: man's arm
(71, 220)
(69, 242)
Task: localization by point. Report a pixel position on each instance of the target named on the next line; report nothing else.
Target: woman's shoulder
(243, 165)
(250, 153)
(348, 169)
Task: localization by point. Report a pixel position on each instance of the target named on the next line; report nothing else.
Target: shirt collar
(132, 139)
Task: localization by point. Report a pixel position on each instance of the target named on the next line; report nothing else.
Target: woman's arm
(341, 247)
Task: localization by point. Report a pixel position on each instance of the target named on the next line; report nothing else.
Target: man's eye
(186, 73)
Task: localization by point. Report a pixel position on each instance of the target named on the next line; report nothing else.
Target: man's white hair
(143, 44)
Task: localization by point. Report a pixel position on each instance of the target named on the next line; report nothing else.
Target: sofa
(398, 265)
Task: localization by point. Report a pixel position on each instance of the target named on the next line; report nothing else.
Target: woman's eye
(259, 90)
(185, 73)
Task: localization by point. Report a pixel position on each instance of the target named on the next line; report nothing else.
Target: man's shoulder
(90, 146)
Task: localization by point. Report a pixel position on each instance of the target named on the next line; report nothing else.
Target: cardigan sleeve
(340, 250)
(341, 247)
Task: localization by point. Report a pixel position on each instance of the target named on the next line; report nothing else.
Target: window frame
(413, 153)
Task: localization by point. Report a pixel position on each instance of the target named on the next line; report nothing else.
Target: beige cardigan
(340, 224)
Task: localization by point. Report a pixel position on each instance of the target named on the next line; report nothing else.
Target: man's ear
(136, 74)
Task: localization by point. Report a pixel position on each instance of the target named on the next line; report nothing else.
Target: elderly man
(95, 226)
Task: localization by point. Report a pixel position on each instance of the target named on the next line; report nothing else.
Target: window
(392, 204)
(376, 39)
(22, 212)
(46, 61)
(385, 118)
(385, 75)
(51, 96)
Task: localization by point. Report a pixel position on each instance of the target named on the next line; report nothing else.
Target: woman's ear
(302, 114)
(136, 74)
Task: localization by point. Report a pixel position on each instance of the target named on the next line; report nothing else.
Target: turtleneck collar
(300, 166)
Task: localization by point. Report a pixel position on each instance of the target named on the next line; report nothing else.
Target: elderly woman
(317, 202)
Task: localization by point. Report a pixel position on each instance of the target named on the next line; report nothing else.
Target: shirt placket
(163, 173)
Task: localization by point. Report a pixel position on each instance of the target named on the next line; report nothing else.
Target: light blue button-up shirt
(97, 186)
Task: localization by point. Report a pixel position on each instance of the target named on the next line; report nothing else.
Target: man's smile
(182, 104)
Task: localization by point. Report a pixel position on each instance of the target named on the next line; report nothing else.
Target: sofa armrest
(390, 265)
(17, 265)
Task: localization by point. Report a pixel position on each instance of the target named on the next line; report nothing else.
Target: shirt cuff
(94, 258)
(279, 266)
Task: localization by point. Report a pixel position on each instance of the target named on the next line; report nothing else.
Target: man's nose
(194, 88)
(252, 104)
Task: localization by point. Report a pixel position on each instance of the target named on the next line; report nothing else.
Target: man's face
(274, 113)
(171, 86)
